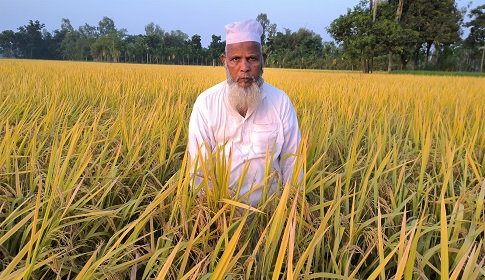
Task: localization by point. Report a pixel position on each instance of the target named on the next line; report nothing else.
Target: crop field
(95, 181)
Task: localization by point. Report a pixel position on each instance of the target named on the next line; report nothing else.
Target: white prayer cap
(244, 31)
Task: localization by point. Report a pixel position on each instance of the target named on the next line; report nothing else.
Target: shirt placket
(245, 143)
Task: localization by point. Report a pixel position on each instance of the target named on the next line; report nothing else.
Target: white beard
(243, 99)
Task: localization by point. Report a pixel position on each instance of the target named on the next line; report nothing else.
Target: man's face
(244, 62)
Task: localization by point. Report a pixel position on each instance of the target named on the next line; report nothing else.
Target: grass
(439, 73)
(94, 180)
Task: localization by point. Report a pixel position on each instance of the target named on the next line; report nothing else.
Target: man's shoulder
(210, 96)
(274, 92)
(214, 90)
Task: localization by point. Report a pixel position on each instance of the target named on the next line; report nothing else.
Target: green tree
(114, 40)
(66, 25)
(88, 35)
(69, 46)
(391, 36)
(109, 44)
(195, 48)
(106, 25)
(174, 43)
(272, 29)
(437, 23)
(301, 49)
(216, 48)
(152, 43)
(307, 48)
(265, 23)
(135, 48)
(8, 43)
(355, 31)
(29, 39)
(154, 29)
(396, 27)
(279, 49)
(50, 46)
(99, 49)
(476, 37)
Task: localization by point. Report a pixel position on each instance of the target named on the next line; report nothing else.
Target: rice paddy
(94, 180)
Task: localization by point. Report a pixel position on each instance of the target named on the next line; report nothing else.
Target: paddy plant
(95, 181)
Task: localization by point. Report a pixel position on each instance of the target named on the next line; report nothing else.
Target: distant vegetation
(439, 73)
(372, 36)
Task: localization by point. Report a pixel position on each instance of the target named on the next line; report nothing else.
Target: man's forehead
(244, 47)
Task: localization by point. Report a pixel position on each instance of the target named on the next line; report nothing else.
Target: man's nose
(245, 66)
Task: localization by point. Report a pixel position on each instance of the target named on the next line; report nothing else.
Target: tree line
(374, 35)
(417, 34)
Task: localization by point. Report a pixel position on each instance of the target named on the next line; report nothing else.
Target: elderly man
(253, 122)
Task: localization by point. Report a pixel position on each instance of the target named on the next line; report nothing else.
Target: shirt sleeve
(199, 139)
(290, 159)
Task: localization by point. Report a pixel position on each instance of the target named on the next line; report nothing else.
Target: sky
(201, 17)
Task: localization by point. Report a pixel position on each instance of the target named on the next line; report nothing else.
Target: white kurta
(272, 125)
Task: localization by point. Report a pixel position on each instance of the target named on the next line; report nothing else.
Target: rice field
(94, 180)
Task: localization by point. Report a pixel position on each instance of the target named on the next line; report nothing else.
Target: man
(252, 122)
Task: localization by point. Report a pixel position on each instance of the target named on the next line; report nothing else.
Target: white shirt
(273, 124)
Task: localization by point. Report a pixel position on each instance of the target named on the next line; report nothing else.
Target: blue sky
(191, 16)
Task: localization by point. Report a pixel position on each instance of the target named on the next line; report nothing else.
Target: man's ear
(223, 59)
(264, 58)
